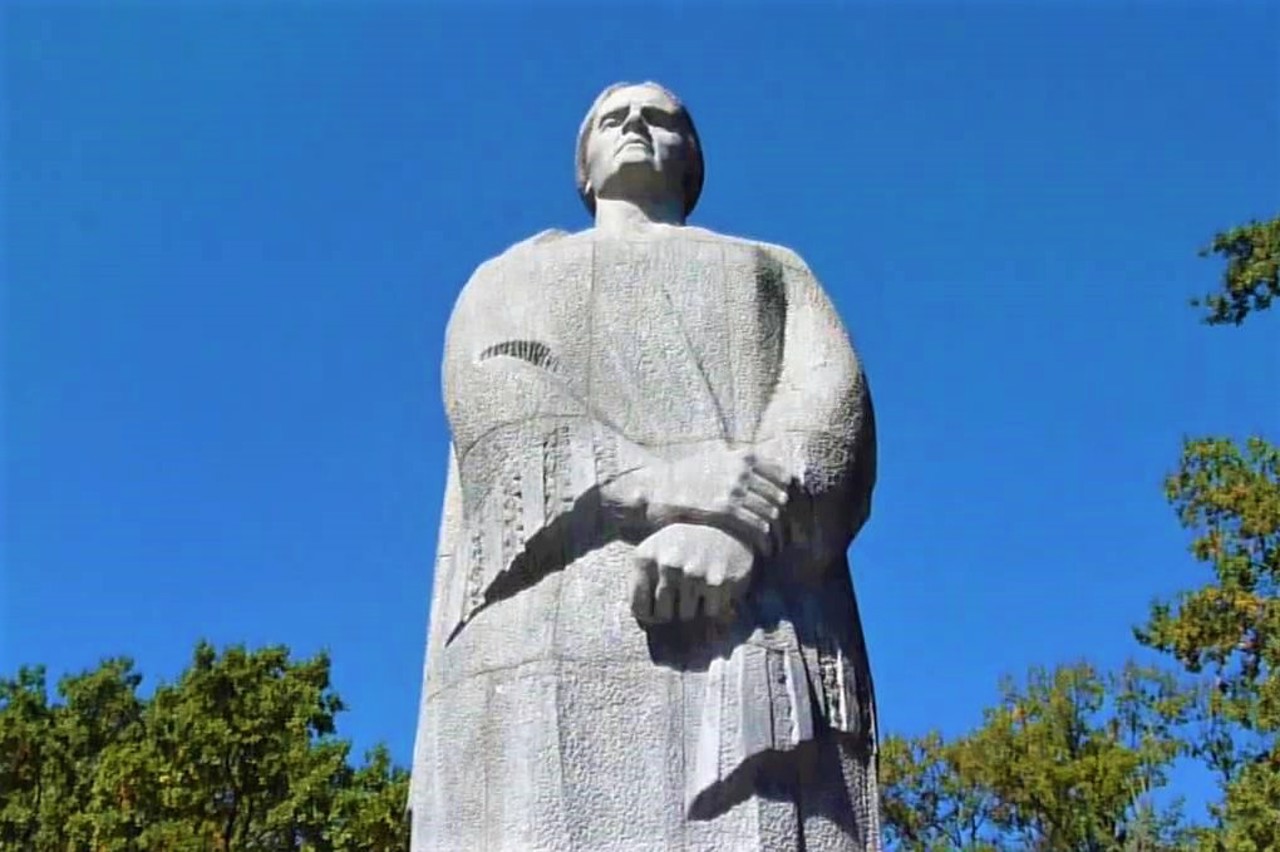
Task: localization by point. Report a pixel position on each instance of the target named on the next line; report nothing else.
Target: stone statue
(643, 629)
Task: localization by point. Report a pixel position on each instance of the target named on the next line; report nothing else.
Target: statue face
(636, 144)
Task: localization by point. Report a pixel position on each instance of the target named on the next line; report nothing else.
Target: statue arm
(441, 585)
(815, 438)
(446, 549)
(507, 393)
(503, 376)
(819, 427)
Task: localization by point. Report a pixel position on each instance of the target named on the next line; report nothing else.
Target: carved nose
(635, 123)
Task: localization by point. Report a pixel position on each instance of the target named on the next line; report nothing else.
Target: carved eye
(658, 118)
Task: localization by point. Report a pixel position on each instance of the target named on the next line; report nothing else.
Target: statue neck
(623, 215)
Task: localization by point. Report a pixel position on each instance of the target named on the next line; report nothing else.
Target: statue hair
(694, 167)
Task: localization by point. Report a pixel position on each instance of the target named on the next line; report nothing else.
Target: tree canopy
(1075, 759)
(239, 753)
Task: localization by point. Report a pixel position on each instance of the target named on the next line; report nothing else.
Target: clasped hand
(715, 515)
(734, 490)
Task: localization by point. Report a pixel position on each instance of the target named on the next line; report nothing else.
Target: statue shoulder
(779, 253)
(550, 235)
(515, 250)
(487, 278)
(785, 256)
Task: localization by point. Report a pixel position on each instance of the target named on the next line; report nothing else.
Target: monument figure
(643, 632)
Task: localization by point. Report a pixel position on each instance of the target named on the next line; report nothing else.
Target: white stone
(643, 630)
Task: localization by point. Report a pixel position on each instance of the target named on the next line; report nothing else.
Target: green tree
(50, 754)
(1251, 278)
(1071, 761)
(1068, 761)
(240, 753)
(1228, 496)
(27, 747)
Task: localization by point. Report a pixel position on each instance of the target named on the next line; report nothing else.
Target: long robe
(550, 719)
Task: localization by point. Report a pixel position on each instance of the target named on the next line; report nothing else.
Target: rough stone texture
(554, 716)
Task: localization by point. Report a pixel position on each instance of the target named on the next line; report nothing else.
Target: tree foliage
(1251, 278)
(1227, 632)
(1076, 760)
(239, 753)
(1068, 761)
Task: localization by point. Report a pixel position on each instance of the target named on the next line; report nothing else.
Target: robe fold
(552, 720)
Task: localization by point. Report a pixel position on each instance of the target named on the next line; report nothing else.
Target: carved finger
(713, 602)
(772, 515)
(664, 594)
(712, 594)
(770, 471)
(691, 593)
(761, 507)
(756, 529)
(731, 594)
(642, 590)
(768, 489)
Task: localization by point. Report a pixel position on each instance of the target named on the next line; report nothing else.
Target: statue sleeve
(441, 587)
(531, 448)
(820, 426)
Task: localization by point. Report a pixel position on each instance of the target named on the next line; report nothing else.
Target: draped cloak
(550, 719)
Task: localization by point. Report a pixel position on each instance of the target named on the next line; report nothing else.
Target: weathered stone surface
(643, 630)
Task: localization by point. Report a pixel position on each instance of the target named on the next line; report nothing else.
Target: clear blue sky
(234, 233)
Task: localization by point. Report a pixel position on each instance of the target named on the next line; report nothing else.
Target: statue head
(638, 138)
